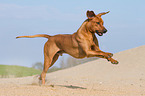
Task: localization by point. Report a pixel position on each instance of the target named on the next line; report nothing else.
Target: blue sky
(125, 24)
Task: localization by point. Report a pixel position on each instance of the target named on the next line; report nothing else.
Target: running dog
(80, 44)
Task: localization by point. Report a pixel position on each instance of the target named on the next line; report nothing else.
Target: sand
(95, 78)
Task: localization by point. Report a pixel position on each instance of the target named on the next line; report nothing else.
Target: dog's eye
(98, 22)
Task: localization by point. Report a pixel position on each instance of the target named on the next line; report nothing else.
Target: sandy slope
(95, 78)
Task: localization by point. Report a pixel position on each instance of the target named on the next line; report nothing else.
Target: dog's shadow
(66, 86)
(71, 86)
(36, 82)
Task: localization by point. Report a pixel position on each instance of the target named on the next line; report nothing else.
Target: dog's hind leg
(50, 49)
(54, 59)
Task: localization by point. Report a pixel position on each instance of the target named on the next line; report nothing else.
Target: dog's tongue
(100, 34)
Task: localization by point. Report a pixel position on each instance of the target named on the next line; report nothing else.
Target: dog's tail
(33, 36)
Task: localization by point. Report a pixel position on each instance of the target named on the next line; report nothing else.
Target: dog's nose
(105, 30)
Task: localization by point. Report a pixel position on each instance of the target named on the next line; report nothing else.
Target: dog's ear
(100, 14)
(90, 14)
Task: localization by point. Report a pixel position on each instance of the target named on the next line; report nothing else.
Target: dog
(80, 44)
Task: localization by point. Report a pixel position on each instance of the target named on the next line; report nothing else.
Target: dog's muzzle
(101, 33)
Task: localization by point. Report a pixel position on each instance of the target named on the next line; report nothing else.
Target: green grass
(17, 71)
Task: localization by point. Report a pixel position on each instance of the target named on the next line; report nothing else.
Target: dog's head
(95, 23)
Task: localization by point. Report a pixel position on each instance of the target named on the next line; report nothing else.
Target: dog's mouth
(99, 33)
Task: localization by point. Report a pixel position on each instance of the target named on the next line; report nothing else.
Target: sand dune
(95, 78)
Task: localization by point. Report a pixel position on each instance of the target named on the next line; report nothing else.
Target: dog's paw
(114, 62)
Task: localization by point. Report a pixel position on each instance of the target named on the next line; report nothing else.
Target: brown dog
(82, 43)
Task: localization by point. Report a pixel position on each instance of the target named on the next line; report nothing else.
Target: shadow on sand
(72, 87)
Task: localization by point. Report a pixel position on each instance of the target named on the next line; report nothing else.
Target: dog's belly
(76, 53)
(79, 56)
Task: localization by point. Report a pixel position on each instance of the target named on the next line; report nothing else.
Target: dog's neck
(84, 31)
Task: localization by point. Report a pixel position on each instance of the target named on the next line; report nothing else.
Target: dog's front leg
(101, 54)
(109, 58)
(97, 45)
(91, 53)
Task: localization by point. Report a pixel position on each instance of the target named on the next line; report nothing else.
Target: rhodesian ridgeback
(80, 44)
